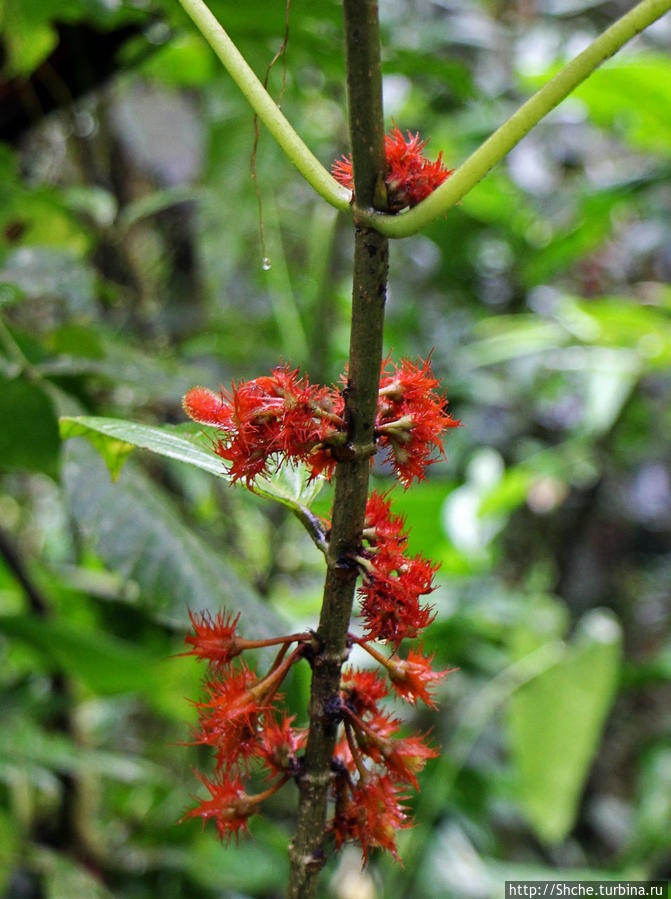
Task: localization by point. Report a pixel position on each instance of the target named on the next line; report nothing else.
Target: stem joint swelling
(311, 864)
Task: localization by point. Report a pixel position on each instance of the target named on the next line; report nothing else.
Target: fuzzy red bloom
(362, 690)
(411, 417)
(390, 596)
(279, 416)
(229, 805)
(410, 176)
(207, 407)
(280, 743)
(381, 524)
(404, 759)
(413, 677)
(214, 639)
(228, 718)
(371, 816)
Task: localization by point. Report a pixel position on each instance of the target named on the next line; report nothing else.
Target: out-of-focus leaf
(555, 723)
(30, 36)
(590, 226)
(253, 867)
(105, 664)
(510, 491)
(653, 812)
(29, 431)
(28, 30)
(509, 337)
(121, 363)
(185, 61)
(137, 531)
(630, 94)
(154, 203)
(22, 742)
(38, 216)
(82, 341)
(624, 322)
(96, 203)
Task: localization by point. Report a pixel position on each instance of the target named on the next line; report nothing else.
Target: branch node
(322, 778)
(312, 862)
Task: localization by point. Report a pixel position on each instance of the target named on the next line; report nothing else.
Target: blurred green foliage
(131, 269)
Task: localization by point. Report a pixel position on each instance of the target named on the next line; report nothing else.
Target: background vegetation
(131, 269)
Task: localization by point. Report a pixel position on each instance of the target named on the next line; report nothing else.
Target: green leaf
(29, 432)
(185, 61)
(653, 810)
(507, 337)
(555, 724)
(631, 94)
(105, 664)
(44, 273)
(137, 531)
(115, 438)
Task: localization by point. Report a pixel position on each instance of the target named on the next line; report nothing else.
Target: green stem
(265, 107)
(513, 130)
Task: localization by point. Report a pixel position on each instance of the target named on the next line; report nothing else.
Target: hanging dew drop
(266, 264)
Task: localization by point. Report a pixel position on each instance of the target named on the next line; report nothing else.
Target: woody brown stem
(364, 89)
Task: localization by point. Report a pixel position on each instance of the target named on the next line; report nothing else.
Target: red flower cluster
(392, 583)
(239, 720)
(283, 417)
(410, 176)
(411, 416)
(372, 764)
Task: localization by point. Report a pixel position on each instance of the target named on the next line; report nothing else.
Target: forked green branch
(265, 107)
(474, 168)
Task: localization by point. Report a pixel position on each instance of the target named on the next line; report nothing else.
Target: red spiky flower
(411, 417)
(230, 806)
(410, 176)
(280, 418)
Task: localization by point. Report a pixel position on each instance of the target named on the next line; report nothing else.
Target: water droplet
(267, 264)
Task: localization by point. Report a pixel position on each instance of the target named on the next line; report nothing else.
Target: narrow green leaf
(115, 438)
(555, 724)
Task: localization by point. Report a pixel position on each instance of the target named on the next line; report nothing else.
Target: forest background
(131, 269)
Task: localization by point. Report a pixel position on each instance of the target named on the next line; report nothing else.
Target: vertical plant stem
(364, 87)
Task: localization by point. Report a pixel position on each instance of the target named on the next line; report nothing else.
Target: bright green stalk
(265, 107)
(513, 130)
(476, 166)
